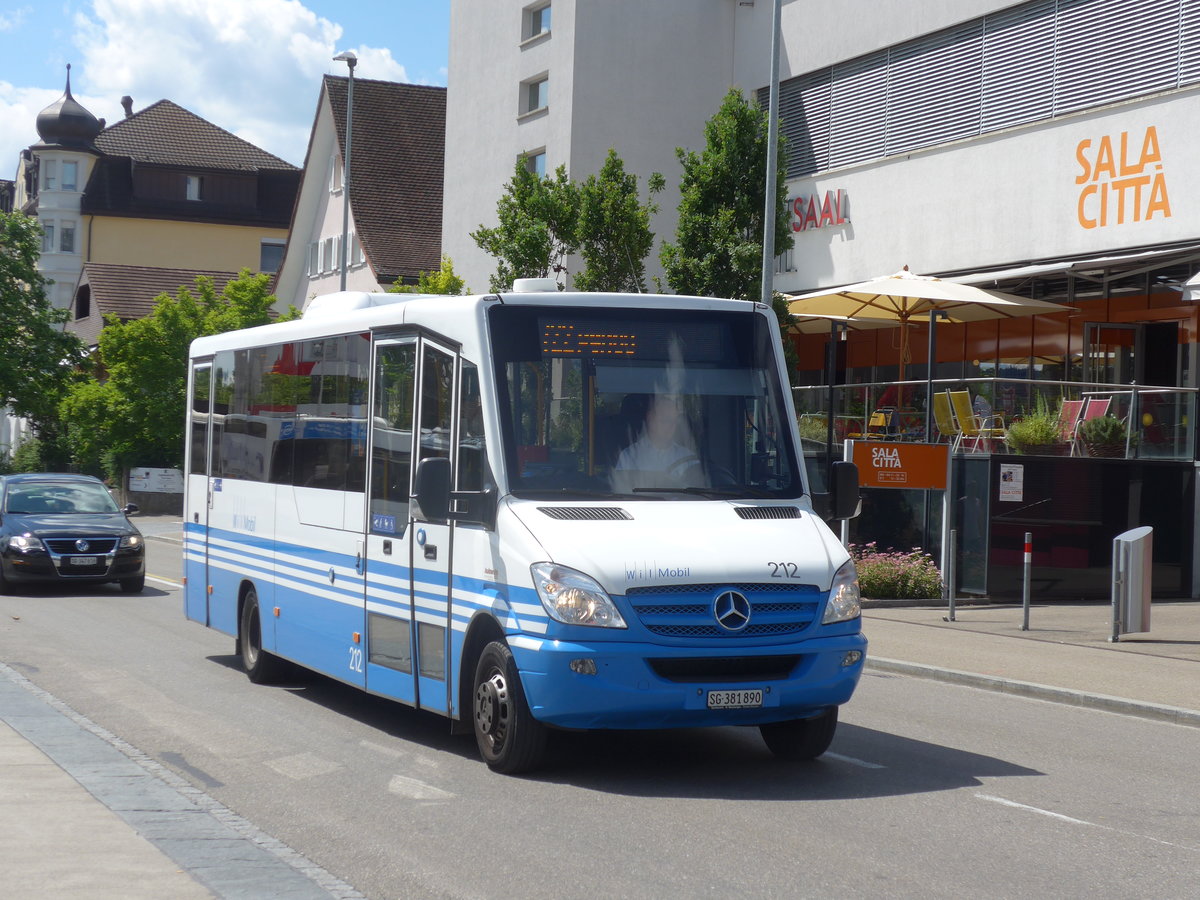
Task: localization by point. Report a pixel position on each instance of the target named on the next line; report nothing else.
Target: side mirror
(130, 508)
(432, 497)
(431, 492)
(842, 501)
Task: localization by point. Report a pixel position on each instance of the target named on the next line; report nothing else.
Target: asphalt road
(930, 790)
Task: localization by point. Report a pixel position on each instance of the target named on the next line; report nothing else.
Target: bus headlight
(845, 600)
(573, 598)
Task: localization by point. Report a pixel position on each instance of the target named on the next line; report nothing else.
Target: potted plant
(1104, 436)
(1038, 432)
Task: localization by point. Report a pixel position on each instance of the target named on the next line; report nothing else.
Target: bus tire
(510, 739)
(261, 667)
(801, 738)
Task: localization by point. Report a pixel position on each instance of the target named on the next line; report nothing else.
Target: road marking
(172, 582)
(862, 763)
(302, 766)
(1073, 821)
(380, 748)
(1041, 812)
(416, 790)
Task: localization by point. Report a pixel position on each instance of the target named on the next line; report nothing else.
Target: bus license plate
(735, 699)
(83, 560)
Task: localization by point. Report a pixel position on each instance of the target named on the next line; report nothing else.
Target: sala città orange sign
(1120, 183)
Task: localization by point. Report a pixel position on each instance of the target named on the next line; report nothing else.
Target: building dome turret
(66, 123)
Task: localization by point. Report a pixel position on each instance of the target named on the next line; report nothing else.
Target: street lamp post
(770, 210)
(349, 58)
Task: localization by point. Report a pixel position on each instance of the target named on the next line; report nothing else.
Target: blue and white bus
(524, 511)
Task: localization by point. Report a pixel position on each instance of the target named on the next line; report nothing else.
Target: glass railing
(1005, 415)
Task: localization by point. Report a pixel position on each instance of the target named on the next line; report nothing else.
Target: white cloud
(18, 122)
(252, 67)
(12, 19)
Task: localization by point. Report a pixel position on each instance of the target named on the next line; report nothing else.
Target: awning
(1096, 269)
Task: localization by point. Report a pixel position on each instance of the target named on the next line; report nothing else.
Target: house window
(70, 176)
(356, 251)
(194, 185)
(66, 237)
(270, 255)
(535, 162)
(49, 174)
(47, 237)
(329, 255)
(83, 302)
(537, 21)
(314, 258)
(535, 95)
(336, 180)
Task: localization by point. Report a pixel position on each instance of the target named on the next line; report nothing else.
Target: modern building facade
(1040, 148)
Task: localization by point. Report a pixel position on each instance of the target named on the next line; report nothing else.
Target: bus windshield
(638, 402)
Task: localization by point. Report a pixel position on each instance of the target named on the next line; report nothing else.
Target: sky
(252, 67)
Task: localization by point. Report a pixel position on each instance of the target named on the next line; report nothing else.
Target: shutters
(1030, 62)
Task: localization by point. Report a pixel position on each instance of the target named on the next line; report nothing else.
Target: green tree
(442, 281)
(40, 359)
(538, 218)
(614, 235)
(135, 416)
(718, 240)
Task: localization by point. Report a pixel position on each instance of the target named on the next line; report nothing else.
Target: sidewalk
(96, 818)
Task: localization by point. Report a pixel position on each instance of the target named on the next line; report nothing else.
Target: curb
(1172, 714)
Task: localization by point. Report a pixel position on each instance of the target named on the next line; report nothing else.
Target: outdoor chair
(1068, 422)
(943, 417)
(1093, 408)
(972, 426)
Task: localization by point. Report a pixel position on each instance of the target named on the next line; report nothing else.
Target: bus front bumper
(628, 689)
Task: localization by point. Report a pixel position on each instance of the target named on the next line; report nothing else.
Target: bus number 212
(355, 659)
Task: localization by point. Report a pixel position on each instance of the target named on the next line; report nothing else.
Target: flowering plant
(897, 574)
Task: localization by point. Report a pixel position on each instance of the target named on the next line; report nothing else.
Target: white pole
(769, 210)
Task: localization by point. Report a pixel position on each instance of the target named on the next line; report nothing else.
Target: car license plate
(83, 560)
(735, 699)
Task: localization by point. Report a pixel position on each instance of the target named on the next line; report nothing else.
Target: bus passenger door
(388, 583)
(197, 499)
(431, 542)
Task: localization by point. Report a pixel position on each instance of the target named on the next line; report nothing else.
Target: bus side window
(472, 448)
(391, 460)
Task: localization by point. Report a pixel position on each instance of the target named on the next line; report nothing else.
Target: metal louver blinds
(1024, 64)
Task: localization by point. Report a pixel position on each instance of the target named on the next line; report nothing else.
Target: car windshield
(51, 497)
(654, 404)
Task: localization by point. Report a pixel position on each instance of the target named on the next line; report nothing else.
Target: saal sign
(896, 464)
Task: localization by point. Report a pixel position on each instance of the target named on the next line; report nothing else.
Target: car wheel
(801, 738)
(510, 739)
(133, 585)
(261, 667)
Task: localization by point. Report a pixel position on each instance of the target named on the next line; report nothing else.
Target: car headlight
(25, 543)
(573, 598)
(131, 541)
(845, 599)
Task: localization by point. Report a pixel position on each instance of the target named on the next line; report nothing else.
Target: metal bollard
(1027, 580)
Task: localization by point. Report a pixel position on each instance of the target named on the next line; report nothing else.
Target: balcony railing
(1006, 415)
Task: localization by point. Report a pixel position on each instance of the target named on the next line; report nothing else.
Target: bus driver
(656, 459)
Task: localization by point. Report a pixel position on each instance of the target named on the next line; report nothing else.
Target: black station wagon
(67, 529)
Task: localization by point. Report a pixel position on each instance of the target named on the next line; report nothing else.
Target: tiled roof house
(397, 147)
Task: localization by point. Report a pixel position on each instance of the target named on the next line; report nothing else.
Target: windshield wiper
(740, 492)
(569, 492)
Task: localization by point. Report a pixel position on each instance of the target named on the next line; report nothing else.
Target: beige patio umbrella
(905, 296)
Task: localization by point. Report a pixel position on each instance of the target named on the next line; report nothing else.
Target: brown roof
(129, 293)
(167, 134)
(397, 157)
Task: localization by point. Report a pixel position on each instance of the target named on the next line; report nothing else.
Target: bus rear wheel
(510, 739)
(261, 667)
(801, 738)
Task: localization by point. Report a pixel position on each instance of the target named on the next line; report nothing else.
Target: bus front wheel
(510, 739)
(801, 738)
(261, 667)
